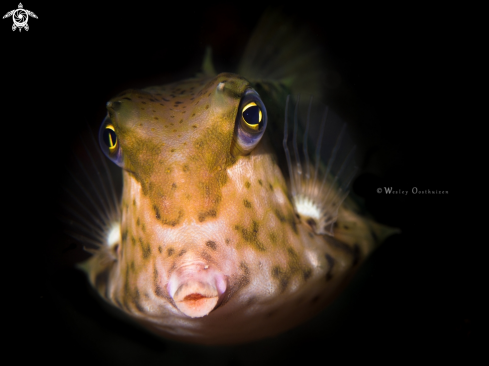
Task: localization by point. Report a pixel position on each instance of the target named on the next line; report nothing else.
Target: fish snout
(196, 288)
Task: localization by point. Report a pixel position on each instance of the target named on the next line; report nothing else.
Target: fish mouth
(196, 288)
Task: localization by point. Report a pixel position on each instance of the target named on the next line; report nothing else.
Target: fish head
(208, 235)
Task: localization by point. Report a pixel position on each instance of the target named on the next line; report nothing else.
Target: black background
(401, 76)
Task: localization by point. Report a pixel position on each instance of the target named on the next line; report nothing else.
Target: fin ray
(317, 196)
(90, 205)
(278, 51)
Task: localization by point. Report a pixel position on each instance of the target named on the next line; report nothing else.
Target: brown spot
(251, 235)
(282, 276)
(157, 212)
(159, 292)
(182, 252)
(138, 222)
(279, 215)
(211, 244)
(247, 184)
(145, 248)
(204, 215)
(160, 249)
(292, 252)
(170, 251)
(306, 273)
(293, 224)
(294, 262)
(247, 203)
(260, 182)
(245, 278)
(312, 223)
(173, 222)
(205, 256)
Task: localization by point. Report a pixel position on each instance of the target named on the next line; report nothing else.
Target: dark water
(395, 77)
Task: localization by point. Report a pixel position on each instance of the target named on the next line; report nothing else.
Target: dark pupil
(252, 115)
(110, 138)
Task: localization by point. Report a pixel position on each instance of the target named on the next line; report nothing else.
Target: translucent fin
(320, 159)
(355, 229)
(92, 200)
(282, 53)
(207, 65)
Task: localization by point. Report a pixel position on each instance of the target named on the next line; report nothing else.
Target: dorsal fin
(279, 52)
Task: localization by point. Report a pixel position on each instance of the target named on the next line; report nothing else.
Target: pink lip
(196, 288)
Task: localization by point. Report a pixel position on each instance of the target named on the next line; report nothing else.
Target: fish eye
(252, 116)
(110, 138)
(109, 142)
(251, 122)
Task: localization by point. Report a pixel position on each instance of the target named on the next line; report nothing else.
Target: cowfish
(235, 220)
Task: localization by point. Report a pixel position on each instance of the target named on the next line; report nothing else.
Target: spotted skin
(187, 198)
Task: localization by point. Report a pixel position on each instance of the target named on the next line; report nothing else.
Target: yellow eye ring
(110, 138)
(253, 126)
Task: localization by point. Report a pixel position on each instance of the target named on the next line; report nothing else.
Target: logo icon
(20, 17)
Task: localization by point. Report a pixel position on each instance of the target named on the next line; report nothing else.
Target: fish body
(222, 236)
